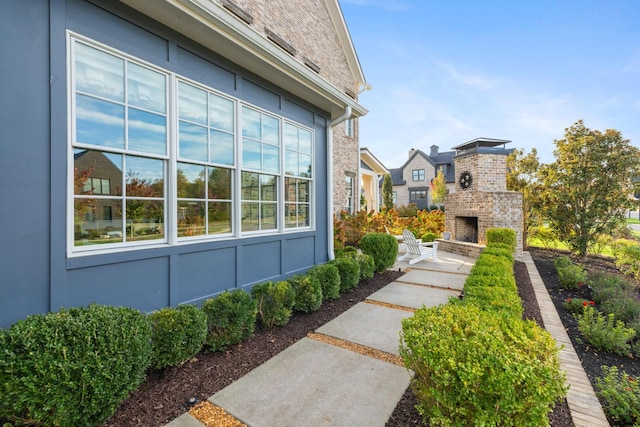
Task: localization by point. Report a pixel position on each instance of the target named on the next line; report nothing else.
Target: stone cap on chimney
(482, 145)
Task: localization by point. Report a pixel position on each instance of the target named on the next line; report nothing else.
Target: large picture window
(157, 159)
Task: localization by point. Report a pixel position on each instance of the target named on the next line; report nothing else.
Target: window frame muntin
(170, 160)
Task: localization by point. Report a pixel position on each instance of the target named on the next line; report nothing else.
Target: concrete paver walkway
(326, 383)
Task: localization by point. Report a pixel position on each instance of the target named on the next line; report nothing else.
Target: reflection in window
(259, 201)
(118, 198)
(418, 174)
(124, 154)
(349, 191)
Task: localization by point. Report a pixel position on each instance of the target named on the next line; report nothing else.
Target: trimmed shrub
(571, 276)
(498, 299)
(72, 367)
(502, 235)
(329, 278)
(499, 250)
(274, 302)
(468, 362)
(349, 272)
(605, 332)
(620, 394)
(429, 237)
(231, 317)
(367, 266)
(308, 293)
(382, 247)
(494, 261)
(177, 334)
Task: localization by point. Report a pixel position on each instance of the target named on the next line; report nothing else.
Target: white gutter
(335, 122)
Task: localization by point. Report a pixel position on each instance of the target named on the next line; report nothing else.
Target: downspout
(342, 118)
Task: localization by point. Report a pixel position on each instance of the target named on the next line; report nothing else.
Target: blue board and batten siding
(36, 275)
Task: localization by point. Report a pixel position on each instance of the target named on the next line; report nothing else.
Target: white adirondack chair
(418, 251)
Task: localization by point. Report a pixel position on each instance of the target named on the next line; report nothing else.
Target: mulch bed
(168, 393)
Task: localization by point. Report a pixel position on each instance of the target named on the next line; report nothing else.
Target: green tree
(522, 176)
(586, 191)
(438, 188)
(387, 192)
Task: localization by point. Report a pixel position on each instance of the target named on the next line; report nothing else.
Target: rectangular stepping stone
(413, 296)
(435, 278)
(316, 384)
(368, 324)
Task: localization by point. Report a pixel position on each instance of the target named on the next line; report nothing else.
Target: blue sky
(444, 72)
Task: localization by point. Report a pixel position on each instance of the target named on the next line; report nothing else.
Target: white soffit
(209, 24)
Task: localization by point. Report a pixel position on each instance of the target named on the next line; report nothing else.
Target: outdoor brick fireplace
(481, 200)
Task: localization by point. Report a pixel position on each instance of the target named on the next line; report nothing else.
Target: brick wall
(306, 26)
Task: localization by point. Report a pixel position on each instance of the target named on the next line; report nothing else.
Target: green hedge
(72, 367)
(349, 271)
(329, 278)
(274, 302)
(231, 317)
(506, 236)
(177, 334)
(382, 247)
(473, 367)
(308, 293)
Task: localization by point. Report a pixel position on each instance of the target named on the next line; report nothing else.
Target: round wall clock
(465, 180)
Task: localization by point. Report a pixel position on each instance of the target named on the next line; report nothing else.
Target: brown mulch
(168, 393)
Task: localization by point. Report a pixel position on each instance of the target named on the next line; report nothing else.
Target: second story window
(418, 174)
(350, 128)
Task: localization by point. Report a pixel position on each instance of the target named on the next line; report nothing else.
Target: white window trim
(170, 194)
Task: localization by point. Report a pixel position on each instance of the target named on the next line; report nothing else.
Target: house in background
(160, 152)
(411, 180)
(371, 173)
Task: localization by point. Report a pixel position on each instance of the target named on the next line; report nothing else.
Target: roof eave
(209, 24)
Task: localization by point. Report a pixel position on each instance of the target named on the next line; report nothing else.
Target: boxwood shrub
(382, 247)
(505, 236)
(349, 271)
(329, 278)
(468, 362)
(231, 317)
(308, 293)
(177, 334)
(274, 302)
(72, 367)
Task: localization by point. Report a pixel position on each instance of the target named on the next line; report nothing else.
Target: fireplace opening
(467, 229)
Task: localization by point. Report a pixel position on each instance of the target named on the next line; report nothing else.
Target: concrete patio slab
(368, 324)
(434, 278)
(413, 296)
(316, 384)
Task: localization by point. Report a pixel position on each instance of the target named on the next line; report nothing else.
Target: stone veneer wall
(307, 26)
(471, 250)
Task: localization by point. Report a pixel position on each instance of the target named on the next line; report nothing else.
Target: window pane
(291, 163)
(303, 191)
(145, 177)
(303, 215)
(97, 221)
(93, 168)
(250, 123)
(147, 132)
(221, 113)
(305, 141)
(190, 181)
(290, 190)
(222, 149)
(219, 217)
(146, 88)
(192, 103)
(99, 122)
(268, 188)
(145, 219)
(270, 159)
(269, 216)
(291, 137)
(250, 216)
(290, 215)
(250, 186)
(191, 220)
(251, 154)
(99, 73)
(193, 142)
(219, 183)
(270, 130)
(305, 166)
